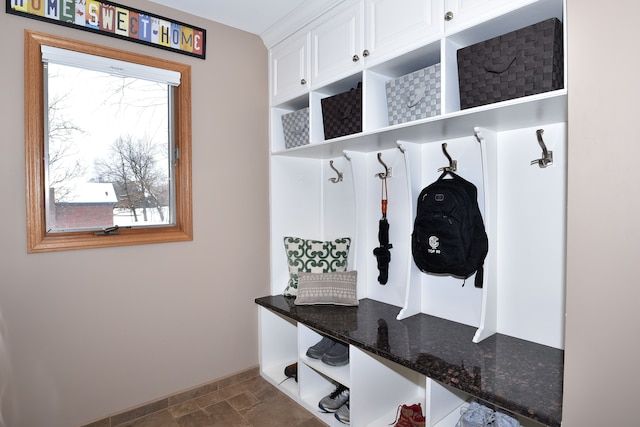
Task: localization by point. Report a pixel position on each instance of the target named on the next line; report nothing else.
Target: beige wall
(96, 331)
(602, 354)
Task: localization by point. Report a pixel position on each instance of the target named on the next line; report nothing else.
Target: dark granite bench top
(517, 375)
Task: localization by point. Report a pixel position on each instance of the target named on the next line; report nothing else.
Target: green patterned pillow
(314, 256)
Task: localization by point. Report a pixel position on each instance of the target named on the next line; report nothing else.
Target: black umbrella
(382, 253)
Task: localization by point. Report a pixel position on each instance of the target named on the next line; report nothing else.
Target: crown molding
(297, 19)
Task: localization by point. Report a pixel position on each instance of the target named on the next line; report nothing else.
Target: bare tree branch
(132, 167)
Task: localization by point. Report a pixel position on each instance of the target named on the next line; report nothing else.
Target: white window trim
(109, 65)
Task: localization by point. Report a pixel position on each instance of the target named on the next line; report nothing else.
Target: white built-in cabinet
(290, 68)
(336, 45)
(524, 206)
(340, 43)
(399, 26)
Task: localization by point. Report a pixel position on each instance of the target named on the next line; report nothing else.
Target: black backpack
(448, 233)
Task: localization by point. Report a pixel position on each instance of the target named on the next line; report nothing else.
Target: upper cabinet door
(290, 69)
(397, 26)
(461, 14)
(336, 45)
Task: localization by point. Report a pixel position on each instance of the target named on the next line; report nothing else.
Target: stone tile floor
(251, 403)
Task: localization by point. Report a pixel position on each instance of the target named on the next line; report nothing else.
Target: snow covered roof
(92, 192)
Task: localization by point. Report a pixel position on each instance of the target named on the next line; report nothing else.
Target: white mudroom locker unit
(514, 151)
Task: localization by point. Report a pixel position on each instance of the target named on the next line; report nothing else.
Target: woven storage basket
(342, 113)
(520, 63)
(296, 128)
(414, 96)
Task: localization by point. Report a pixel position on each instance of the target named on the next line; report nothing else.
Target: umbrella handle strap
(385, 195)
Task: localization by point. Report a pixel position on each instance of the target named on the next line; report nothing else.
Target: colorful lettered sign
(115, 20)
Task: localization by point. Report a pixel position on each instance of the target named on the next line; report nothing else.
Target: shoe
(476, 415)
(335, 400)
(317, 350)
(342, 414)
(504, 420)
(291, 371)
(338, 355)
(409, 416)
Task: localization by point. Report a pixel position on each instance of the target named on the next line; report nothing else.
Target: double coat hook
(339, 177)
(547, 156)
(387, 169)
(453, 164)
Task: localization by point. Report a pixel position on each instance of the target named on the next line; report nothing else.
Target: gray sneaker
(338, 355)
(342, 414)
(333, 401)
(504, 420)
(476, 415)
(317, 350)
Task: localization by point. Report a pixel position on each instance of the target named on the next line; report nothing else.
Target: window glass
(108, 150)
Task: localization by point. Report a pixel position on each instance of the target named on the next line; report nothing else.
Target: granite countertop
(517, 375)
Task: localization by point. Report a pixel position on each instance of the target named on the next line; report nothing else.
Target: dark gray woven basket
(520, 63)
(342, 113)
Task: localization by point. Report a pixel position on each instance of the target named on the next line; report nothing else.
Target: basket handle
(346, 113)
(498, 66)
(415, 98)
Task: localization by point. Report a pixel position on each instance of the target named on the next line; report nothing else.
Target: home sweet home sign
(116, 20)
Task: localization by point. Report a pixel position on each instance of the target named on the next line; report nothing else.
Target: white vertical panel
(444, 296)
(277, 344)
(369, 193)
(531, 236)
(392, 385)
(339, 204)
(295, 209)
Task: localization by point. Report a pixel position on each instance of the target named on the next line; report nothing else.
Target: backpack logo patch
(434, 242)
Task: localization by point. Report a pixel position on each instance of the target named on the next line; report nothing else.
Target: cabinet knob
(448, 16)
(355, 58)
(303, 82)
(365, 53)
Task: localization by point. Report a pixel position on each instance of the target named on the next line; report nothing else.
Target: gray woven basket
(414, 96)
(296, 128)
(520, 63)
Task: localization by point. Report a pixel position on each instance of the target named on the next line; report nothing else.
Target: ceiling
(253, 16)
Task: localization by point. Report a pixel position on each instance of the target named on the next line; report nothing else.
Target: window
(108, 146)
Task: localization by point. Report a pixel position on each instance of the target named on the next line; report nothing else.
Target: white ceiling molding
(272, 20)
(295, 20)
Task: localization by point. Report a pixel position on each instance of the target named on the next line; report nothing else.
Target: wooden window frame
(38, 239)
